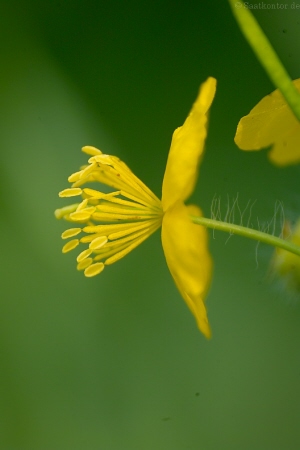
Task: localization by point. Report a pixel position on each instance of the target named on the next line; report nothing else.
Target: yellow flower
(271, 123)
(287, 264)
(115, 223)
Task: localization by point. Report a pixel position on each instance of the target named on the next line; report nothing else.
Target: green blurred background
(117, 362)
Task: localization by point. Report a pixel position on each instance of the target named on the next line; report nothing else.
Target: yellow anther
(98, 242)
(74, 177)
(84, 264)
(93, 193)
(82, 205)
(70, 233)
(94, 269)
(89, 169)
(89, 150)
(87, 239)
(70, 192)
(70, 245)
(63, 212)
(80, 216)
(83, 255)
(102, 159)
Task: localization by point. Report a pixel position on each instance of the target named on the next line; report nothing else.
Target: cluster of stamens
(114, 223)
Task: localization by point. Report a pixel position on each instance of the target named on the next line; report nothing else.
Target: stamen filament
(134, 205)
(127, 250)
(124, 174)
(107, 217)
(108, 229)
(117, 247)
(122, 209)
(141, 226)
(156, 206)
(131, 237)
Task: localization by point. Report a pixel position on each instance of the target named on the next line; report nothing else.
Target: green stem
(266, 54)
(247, 232)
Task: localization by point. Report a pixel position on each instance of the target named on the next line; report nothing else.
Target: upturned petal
(188, 258)
(187, 148)
(271, 122)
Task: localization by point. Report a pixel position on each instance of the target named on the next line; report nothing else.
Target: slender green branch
(266, 54)
(247, 232)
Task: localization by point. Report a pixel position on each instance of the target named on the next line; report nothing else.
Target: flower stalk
(266, 55)
(247, 232)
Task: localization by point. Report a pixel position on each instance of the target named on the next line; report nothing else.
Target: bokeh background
(117, 362)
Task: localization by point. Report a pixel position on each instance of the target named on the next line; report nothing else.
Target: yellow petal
(285, 264)
(187, 148)
(271, 122)
(188, 259)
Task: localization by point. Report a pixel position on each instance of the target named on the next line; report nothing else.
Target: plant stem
(266, 54)
(247, 232)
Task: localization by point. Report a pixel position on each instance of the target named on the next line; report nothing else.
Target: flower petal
(187, 148)
(286, 265)
(188, 259)
(271, 122)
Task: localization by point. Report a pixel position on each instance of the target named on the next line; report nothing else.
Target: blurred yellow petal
(187, 148)
(271, 122)
(286, 265)
(186, 251)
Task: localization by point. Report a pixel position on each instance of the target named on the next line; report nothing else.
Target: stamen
(70, 233)
(107, 217)
(93, 193)
(124, 252)
(70, 192)
(111, 248)
(107, 229)
(83, 215)
(123, 173)
(129, 237)
(120, 234)
(105, 253)
(101, 159)
(132, 212)
(62, 212)
(122, 202)
(82, 205)
(156, 205)
(84, 263)
(98, 242)
(94, 269)
(70, 245)
(122, 209)
(74, 177)
(84, 255)
(109, 177)
(134, 179)
(85, 172)
(90, 238)
(90, 150)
